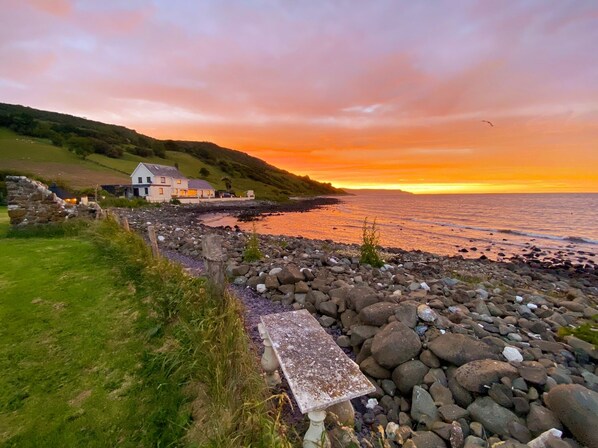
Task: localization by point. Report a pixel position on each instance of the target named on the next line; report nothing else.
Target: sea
(496, 226)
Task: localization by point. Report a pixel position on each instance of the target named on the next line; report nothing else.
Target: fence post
(125, 223)
(215, 259)
(151, 231)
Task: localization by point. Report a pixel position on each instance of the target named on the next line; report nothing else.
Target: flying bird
(489, 122)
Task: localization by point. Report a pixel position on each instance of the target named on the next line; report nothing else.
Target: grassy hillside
(84, 153)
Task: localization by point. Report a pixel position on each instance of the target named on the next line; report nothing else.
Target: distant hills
(83, 153)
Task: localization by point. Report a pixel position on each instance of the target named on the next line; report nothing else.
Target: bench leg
(269, 362)
(316, 436)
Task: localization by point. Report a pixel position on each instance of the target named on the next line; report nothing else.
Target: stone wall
(31, 202)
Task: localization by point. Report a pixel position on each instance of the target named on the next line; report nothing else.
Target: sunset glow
(379, 94)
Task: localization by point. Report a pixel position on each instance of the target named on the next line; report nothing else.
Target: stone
(533, 372)
(474, 375)
(494, 417)
(541, 419)
(427, 439)
(460, 349)
(429, 359)
(512, 354)
(406, 312)
(361, 296)
(460, 394)
(373, 369)
(359, 333)
(395, 344)
(427, 314)
(409, 374)
(377, 314)
(329, 308)
(474, 442)
(452, 412)
(577, 409)
(543, 440)
(441, 394)
(519, 432)
(422, 405)
(502, 394)
(290, 275)
(343, 413)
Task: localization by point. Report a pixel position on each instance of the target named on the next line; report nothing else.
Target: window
(149, 180)
(140, 180)
(161, 190)
(146, 191)
(178, 181)
(163, 180)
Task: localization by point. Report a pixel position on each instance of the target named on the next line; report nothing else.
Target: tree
(204, 172)
(227, 182)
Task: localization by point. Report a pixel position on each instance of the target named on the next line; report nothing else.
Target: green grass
(39, 158)
(101, 345)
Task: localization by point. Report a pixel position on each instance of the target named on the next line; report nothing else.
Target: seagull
(486, 121)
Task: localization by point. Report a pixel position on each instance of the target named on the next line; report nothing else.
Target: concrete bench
(319, 373)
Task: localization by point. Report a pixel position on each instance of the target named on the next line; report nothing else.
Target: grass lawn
(101, 346)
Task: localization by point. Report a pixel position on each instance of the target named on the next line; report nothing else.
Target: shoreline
(450, 312)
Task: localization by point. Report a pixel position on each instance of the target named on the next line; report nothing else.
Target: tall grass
(252, 249)
(209, 357)
(370, 244)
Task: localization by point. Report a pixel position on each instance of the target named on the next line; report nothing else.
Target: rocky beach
(463, 352)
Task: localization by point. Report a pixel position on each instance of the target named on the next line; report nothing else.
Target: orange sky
(379, 94)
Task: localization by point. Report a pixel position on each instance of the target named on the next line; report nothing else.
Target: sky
(363, 94)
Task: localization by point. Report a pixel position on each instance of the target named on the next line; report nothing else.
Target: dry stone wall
(31, 202)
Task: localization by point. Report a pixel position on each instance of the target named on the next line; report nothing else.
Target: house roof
(164, 170)
(199, 184)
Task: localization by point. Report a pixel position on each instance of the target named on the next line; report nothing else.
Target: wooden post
(151, 231)
(215, 258)
(125, 224)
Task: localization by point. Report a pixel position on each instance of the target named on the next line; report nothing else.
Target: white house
(161, 183)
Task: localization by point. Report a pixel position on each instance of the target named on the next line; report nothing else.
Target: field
(97, 348)
(37, 157)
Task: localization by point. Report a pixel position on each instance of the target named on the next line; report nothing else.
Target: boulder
(494, 417)
(427, 439)
(378, 313)
(474, 375)
(577, 409)
(460, 349)
(290, 275)
(373, 369)
(395, 344)
(409, 374)
(359, 333)
(361, 296)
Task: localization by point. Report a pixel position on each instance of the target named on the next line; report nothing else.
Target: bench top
(319, 373)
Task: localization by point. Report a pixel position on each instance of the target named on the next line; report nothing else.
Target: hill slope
(83, 153)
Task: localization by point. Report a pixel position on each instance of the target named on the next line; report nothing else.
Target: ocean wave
(572, 239)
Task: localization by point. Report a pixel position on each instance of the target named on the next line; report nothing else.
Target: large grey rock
(290, 275)
(422, 404)
(427, 439)
(409, 374)
(329, 308)
(494, 417)
(359, 333)
(474, 375)
(395, 344)
(577, 408)
(373, 369)
(460, 349)
(378, 313)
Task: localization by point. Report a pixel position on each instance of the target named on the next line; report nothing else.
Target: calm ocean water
(493, 224)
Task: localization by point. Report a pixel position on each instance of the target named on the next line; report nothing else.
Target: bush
(125, 203)
(175, 201)
(369, 247)
(252, 250)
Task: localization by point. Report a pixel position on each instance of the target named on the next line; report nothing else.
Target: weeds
(371, 242)
(252, 250)
(586, 332)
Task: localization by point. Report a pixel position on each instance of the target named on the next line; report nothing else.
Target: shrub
(369, 247)
(175, 201)
(587, 332)
(252, 250)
